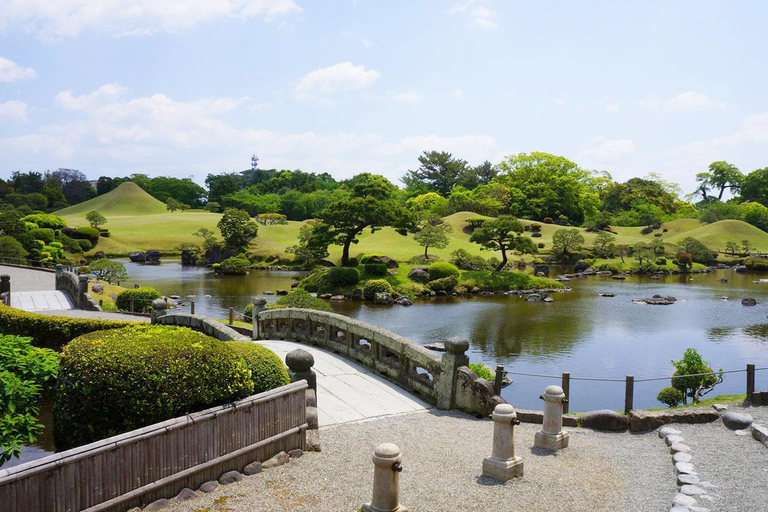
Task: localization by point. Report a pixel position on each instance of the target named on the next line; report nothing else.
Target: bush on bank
(142, 299)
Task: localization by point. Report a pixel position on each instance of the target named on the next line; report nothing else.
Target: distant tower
(254, 162)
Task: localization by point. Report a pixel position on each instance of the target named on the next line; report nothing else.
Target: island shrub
(444, 284)
(85, 245)
(338, 277)
(50, 331)
(236, 266)
(353, 262)
(267, 369)
(142, 299)
(45, 234)
(119, 380)
(87, 233)
(670, 396)
(376, 269)
(300, 299)
(375, 286)
(442, 269)
(757, 264)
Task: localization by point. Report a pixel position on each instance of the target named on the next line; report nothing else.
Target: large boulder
(605, 419)
(541, 270)
(737, 420)
(137, 256)
(640, 420)
(188, 258)
(386, 260)
(152, 255)
(580, 266)
(383, 298)
(748, 301)
(419, 274)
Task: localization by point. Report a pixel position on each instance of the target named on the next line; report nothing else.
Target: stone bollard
(502, 465)
(453, 358)
(60, 270)
(83, 284)
(259, 305)
(551, 435)
(5, 289)
(299, 363)
(159, 308)
(386, 480)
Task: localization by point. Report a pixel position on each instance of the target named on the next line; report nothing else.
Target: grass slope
(127, 199)
(717, 234)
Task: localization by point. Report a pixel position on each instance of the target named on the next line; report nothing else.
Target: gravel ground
(736, 464)
(24, 280)
(442, 459)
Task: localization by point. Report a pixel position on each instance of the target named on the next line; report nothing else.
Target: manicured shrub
(85, 245)
(123, 379)
(267, 369)
(365, 257)
(50, 331)
(375, 286)
(547, 220)
(46, 220)
(661, 260)
(540, 245)
(142, 299)
(248, 312)
(376, 269)
(300, 299)
(342, 276)
(352, 262)
(646, 230)
(235, 266)
(87, 233)
(670, 396)
(45, 234)
(442, 269)
(70, 245)
(444, 284)
(535, 226)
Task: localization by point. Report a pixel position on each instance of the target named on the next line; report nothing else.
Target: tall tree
(433, 234)
(754, 187)
(438, 170)
(503, 234)
(566, 244)
(237, 228)
(721, 175)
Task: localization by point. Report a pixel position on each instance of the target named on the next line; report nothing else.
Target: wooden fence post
(565, 383)
(192, 308)
(498, 380)
(231, 316)
(750, 380)
(629, 393)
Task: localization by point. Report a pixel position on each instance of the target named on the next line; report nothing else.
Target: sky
(188, 88)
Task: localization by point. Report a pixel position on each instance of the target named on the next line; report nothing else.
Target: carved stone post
(159, 308)
(5, 289)
(299, 363)
(453, 358)
(551, 435)
(386, 480)
(59, 270)
(259, 305)
(502, 465)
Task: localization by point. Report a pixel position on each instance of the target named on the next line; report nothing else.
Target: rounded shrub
(267, 369)
(85, 245)
(235, 266)
(444, 284)
(123, 379)
(46, 220)
(661, 260)
(547, 220)
(442, 269)
(248, 312)
(540, 245)
(376, 269)
(87, 233)
(375, 286)
(343, 276)
(142, 299)
(365, 257)
(45, 234)
(670, 396)
(300, 299)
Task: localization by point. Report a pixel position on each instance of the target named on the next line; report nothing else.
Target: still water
(580, 332)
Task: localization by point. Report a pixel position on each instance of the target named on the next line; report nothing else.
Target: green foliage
(237, 228)
(338, 277)
(11, 248)
(365, 257)
(142, 299)
(697, 384)
(271, 219)
(481, 371)
(108, 270)
(87, 233)
(464, 260)
(376, 269)
(433, 235)
(670, 396)
(26, 373)
(490, 280)
(503, 234)
(47, 235)
(46, 220)
(85, 245)
(604, 245)
(721, 175)
(699, 252)
(756, 264)
(50, 331)
(236, 265)
(314, 239)
(300, 299)
(375, 286)
(95, 219)
(267, 369)
(441, 269)
(566, 244)
(119, 380)
(438, 171)
(754, 186)
(445, 284)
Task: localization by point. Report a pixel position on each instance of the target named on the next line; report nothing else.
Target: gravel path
(442, 458)
(103, 315)
(736, 464)
(25, 280)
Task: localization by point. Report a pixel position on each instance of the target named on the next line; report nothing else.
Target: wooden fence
(138, 467)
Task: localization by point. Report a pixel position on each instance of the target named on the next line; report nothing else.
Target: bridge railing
(441, 380)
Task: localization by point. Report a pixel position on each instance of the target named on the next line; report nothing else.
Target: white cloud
(14, 110)
(603, 149)
(54, 20)
(367, 43)
(559, 102)
(344, 77)
(103, 95)
(12, 72)
(686, 102)
(480, 15)
(409, 96)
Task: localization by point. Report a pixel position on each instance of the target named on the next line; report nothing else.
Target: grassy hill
(127, 199)
(717, 234)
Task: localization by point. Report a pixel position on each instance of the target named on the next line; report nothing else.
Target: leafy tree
(755, 214)
(438, 172)
(95, 219)
(74, 185)
(566, 244)
(431, 202)
(698, 252)
(172, 205)
(503, 234)
(11, 248)
(642, 251)
(623, 196)
(372, 204)
(721, 175)
(690, 380)
(433, 235)
(108, 270)
(754, 187)
(210, 240)
(220, 185)
(213, 207)
(747, 246)
(237, 228)
(604, 245)
(314, 239)
(731, 247)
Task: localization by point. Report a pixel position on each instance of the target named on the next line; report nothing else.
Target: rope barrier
(595, 379)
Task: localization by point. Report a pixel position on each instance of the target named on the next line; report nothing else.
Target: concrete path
(26, 280)
(41, 300)
(102, 315)
(347, 392)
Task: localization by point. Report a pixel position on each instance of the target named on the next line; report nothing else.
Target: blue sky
(113, 87)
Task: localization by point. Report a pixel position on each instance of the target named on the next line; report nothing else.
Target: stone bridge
(443, 380)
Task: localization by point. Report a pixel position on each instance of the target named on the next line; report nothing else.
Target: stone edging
(690, 489)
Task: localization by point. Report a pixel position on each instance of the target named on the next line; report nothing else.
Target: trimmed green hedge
(442, 269)
(343, 276)
(376, 269)
(50, 331)
(300, 299)
(375, 286)
(45, 234)
(88, 233)
(118, 380)
(267, 369)
(142, 299)
(444, 284)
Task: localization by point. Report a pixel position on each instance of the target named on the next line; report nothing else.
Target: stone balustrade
(76, 287)
(442, 380)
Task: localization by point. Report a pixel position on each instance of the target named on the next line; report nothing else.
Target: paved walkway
(41, 301)
(102, 315)
(25, 280)
(346, 391)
